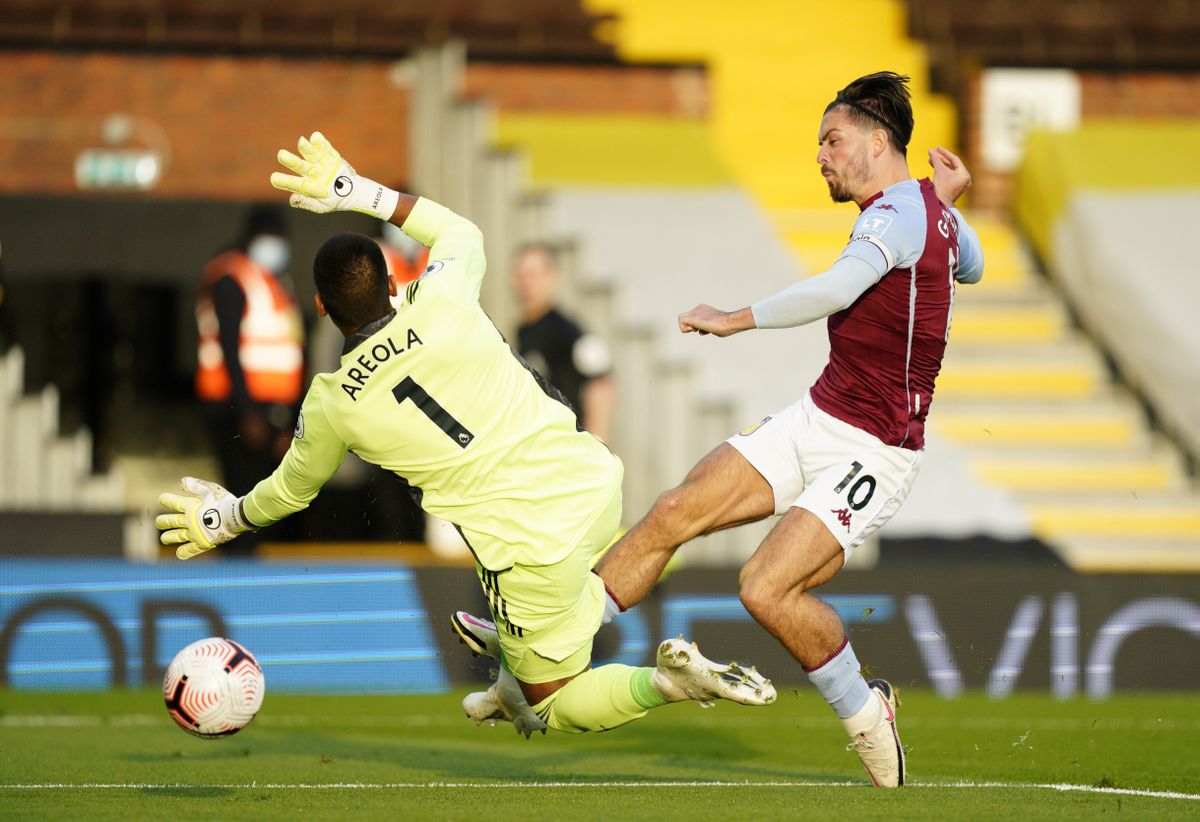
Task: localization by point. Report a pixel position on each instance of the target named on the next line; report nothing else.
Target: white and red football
(213, 687)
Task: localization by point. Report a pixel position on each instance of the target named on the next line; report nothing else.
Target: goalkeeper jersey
(435, 395)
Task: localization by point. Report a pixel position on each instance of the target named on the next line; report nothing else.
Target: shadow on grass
(627, 754)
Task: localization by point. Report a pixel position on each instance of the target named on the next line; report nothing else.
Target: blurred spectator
(251, 364)
(576, 363)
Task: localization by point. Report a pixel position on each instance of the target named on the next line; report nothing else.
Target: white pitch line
(1116, 724)
(1062, 787)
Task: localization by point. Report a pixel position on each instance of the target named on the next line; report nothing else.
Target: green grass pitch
(117, 755)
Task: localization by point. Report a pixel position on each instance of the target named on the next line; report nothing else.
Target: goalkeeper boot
(484, 706)
(684, 673)
(490, 707)
(479, 635)
(876, 741)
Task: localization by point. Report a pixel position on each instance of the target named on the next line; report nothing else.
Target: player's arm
(455, 246)
(970, 251)
(207, 515)
(950, 179)
(799, 304)
(323, 181)
(315, 454)
(950, 175)
(883, 238)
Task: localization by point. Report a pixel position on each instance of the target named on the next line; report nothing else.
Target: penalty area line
(1061, 787)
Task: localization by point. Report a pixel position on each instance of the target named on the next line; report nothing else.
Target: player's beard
(856, 172)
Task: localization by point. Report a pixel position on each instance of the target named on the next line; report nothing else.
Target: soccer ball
(213, 687)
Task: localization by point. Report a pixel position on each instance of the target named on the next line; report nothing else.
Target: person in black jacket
(576, 363)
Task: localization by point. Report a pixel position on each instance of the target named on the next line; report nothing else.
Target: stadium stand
(45, 472)
(45, 468)
(638, 251)
(1027, 400)
(493, 28)
(667, 184)
(1158, 34)
(1108, 230)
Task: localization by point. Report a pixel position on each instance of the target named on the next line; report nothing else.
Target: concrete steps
(42, 468)
(1036, 407)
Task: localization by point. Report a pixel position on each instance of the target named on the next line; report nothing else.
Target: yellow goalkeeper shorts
(547, 615)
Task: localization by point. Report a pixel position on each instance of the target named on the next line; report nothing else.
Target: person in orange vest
(250, 370)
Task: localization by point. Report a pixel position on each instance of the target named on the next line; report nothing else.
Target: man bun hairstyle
(351, 276)
(880, 100)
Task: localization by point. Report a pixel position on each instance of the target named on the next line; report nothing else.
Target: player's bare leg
(721, 491)
(798, 555)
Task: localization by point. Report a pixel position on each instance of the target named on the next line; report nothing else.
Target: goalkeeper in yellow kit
(431, 391)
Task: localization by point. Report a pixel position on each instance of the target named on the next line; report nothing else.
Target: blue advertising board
(81, 624)
(318, 628)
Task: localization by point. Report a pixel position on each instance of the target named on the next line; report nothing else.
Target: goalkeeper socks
(600, 699)
(841, 682)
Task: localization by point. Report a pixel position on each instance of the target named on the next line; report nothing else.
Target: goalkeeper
(431, 391)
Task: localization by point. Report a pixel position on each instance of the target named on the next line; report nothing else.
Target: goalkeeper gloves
(325, 182)
(206, 515)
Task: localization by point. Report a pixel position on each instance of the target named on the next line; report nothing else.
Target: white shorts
(847, 477)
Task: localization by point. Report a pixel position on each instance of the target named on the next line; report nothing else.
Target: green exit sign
(104, 168)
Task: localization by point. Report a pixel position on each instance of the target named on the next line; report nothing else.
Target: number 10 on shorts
(861, 491)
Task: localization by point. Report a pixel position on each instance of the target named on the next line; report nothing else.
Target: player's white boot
(875, 740)
(484, 706)
(488, 706)
(479, 635)
(684, 673)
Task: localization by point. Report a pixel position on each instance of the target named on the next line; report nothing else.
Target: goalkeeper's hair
(880, 99)
(351, 277)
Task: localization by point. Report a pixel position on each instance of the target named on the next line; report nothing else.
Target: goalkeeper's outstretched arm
(323, 182)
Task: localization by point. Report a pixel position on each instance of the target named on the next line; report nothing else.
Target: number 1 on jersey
(408, 389)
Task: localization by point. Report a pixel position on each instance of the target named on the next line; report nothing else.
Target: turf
(410, 757)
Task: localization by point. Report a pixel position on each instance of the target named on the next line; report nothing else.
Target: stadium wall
(671, 91)
(1103, 95)
(222, 118)
(997, 625)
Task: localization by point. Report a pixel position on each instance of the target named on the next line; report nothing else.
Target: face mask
(269, 251)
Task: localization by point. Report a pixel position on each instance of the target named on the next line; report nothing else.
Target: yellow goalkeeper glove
(325, 182)
(205, 516)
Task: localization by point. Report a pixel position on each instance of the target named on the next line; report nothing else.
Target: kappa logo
(342, 186)
(211, 519)
(843, 515)
(745, 432)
